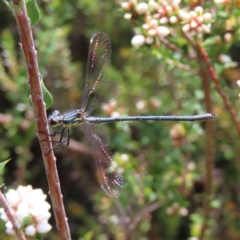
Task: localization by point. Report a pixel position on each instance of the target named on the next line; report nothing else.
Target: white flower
(12, 198)
(193, 14)
(173, 19)
(223, 58)
(115, 114)
(207, 16)
(24, 191)
(142, 8)
(169, 9)
(138, 40)
(21, 214)
(183, 212)
(30, 230)
(145, 26)
(198, 10)
(8, 224)
(175, 2)
(3, 215)
(31, 203)
(228, 37)
(238, 83)
(184, 15)
(193, 238)
(43, 228)
(206, 28)
(163, 31)
(10, 231)
(127, 16)
(200, 19)
(220, 1)
(153, 4)
(141, 104)
(169, 210)
(149, 40)
(126, 5)
(186, 27)
(163, 20)
(153, 23)
(193, 24)
(124, 157)
(151, 32)
(191, 166)
(43, 216)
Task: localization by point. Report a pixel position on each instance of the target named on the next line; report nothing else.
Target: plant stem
(210, 145)
(34, 78)
(222, 94)
(11, 217)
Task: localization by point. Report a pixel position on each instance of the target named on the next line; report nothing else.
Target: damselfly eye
(53, 122)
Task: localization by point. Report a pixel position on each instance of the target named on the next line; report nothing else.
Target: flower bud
(228, 37)
(149, 40)
(138, 40)
(142, 8)
(145, 26)
(163, 31)
(151, 32)
(173, 19)
(163, 20)
(127, 16)
(126, 6)
(184, 15)
(43, 227)
(186, 27)
(207, 16)
(30, 230)
(199, 10)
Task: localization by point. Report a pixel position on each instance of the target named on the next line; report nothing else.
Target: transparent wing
(106, 92)
(99, 57)
(108, 175)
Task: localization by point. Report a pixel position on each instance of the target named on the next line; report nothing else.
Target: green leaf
(2, 165)
(89, 235)
(25, 222)
(33, 11)
(47, 96)
(38, 236)
(48, 99)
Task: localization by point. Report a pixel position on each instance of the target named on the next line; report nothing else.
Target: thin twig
(11, 217)
(41, 118)
(175, 48)
(143, 213)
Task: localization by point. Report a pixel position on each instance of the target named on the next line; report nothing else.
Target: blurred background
(163, 163)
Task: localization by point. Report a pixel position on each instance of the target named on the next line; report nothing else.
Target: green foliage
(2, 165)
(33, 11)
(48, 99)
(25, 222)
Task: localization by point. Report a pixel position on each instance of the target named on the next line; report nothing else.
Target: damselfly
(103, 92)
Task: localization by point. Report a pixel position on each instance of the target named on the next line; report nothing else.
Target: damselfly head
(54, 118)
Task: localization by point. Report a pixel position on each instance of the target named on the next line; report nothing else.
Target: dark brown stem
(210, 145)
(207, 74)
(212, 74)
(29, 51)
(11, 217)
